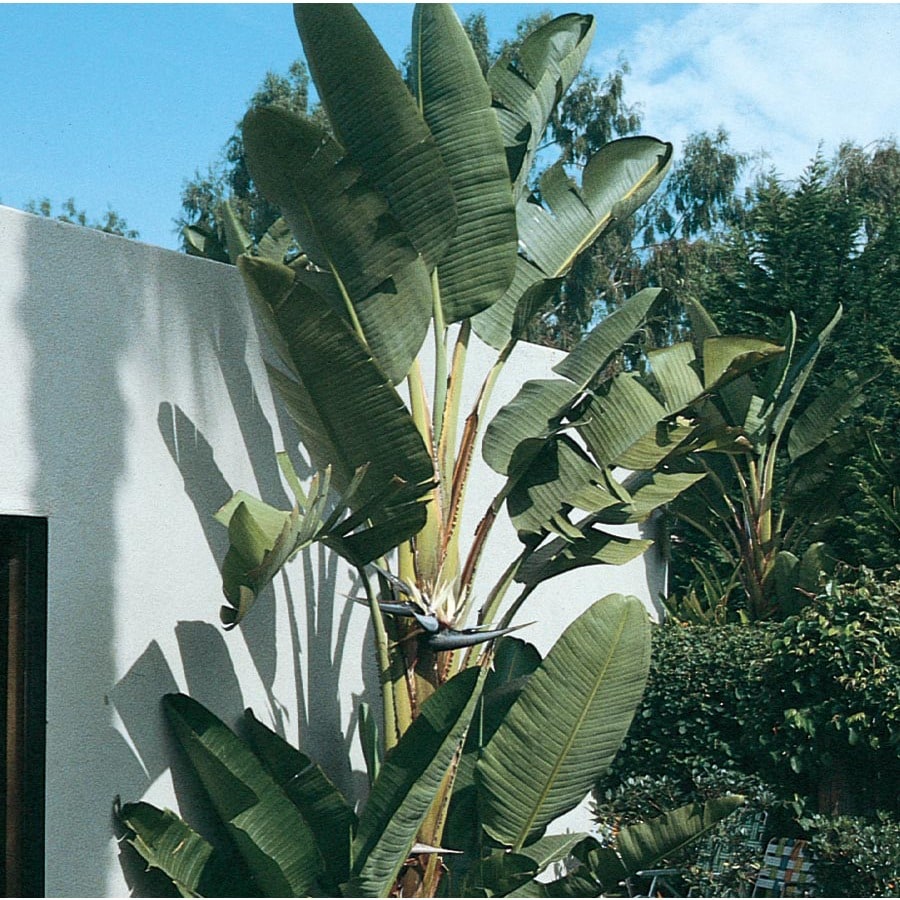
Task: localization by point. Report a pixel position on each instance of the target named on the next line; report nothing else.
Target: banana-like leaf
(643, 845)
(377, 121)
(577, 706)
(632, 421)
(560, 477)
(262, 539)
(618, 178)
(347, 229)
(819, 420)
(514, 661)
(478, 265)
(201, 240)
(576, 885)
(546, 508)
(539, 407)
(726, 357)
(727, 360)
(501, 872)
(268, 831)
(332, 821)
(169, 844)
(784, 401)
(587, 546)
(277, 241)
(671, 435)
(622, 422)
(816, 487)
(237, 239)
(526, 89)
(347, 412)
(409, 782)
(652, 489)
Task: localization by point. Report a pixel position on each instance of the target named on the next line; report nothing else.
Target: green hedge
(833, 685)
(856, 856)
(702, 704)
(801, 716)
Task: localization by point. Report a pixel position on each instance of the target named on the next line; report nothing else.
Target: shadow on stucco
(136, 697)
(318, 617)
(94, 309)
(76, 412)
(207, 489)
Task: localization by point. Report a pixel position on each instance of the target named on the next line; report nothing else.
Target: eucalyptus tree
(414, 220)
(111, 223)
(802, 247)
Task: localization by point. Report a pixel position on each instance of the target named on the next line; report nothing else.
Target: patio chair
(787, 870)
(744, 836)
(745, 829)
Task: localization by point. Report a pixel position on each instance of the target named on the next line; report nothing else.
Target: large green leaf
(501, 872)
(332, 821)
(271, 836)
(728, 356)
(346, 227)
(377, 121)
(261, 540)
(409, 781)
(784, 401)
(819, 420)
(276, 243)
(237, 239)
(348, 413)
(560, 477)
(513, 663)
(619, 415)
(553, 233)
(539, 407)
(527, 86)
(591, 546)
(651, 490)
(169, 844)
(643, 845)
(456, 102)
(617, 180)
(567, 724)
(639, 421)
(622, 421)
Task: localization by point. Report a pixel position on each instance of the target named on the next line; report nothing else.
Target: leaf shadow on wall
(136, 697)
(322, 633)
(208, 490)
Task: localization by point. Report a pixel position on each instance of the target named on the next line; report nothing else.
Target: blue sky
(117, 104)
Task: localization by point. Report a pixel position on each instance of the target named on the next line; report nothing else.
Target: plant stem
(440, 361)
(426, 563)
(446, 446)
(385, 668)
(464, 461)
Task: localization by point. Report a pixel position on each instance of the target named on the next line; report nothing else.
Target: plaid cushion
(786, 870)
(745, 833)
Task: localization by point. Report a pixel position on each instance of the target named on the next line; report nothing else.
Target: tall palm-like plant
(414, 215)
(746, 507)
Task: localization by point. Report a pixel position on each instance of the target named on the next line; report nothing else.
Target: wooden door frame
(23, 673)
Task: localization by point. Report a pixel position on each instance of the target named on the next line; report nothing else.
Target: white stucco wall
(134, 404)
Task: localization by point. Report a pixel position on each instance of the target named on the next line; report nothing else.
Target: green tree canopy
(110, 223)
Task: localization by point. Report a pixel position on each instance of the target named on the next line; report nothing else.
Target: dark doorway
(23, 671)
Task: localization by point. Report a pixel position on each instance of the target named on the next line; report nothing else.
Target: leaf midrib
(567, 746)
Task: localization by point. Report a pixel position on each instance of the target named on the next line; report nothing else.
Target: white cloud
(778, 77)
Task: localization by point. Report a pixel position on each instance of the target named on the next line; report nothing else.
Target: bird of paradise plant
(414, 216)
